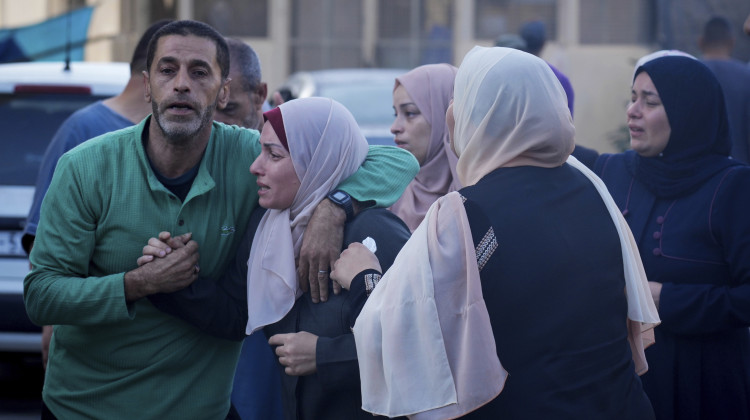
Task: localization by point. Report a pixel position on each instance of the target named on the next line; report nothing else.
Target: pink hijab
(326, 147)
(431, 88)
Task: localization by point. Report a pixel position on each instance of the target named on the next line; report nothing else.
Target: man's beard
(179, 131)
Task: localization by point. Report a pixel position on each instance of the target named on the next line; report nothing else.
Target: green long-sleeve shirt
(110, 359)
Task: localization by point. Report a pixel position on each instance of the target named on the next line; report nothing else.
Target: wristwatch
(343, 200)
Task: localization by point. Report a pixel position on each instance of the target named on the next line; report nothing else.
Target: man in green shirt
(113, 354)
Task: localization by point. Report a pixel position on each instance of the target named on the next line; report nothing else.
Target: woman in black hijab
(688, 206)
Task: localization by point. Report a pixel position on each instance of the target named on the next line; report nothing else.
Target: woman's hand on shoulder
(355, 259)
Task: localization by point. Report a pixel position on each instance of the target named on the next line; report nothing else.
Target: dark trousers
(46, 414)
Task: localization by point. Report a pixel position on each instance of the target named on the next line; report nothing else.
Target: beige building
(594, 42)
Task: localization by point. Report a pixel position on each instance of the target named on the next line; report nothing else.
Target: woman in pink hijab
(420, 98)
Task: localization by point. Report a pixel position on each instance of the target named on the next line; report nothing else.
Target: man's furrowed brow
(196, 62)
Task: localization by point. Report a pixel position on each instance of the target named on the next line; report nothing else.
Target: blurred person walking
(533, 38)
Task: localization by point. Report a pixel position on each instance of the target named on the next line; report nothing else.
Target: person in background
(716, 44)
(119, 356)
(127, 108)
(420, 98)
(533, 36)
(247, 91)
(686, 203)
(516, 42)
(558, 297)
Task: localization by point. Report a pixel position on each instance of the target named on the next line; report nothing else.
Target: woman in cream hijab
(510, 300)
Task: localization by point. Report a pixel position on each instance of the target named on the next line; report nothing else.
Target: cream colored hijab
(431, 88)
(510, 110)
(418, 358)
(326, 147)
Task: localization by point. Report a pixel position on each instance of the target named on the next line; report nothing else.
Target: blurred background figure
(247, 92)
(716, 44)
(517, 43)
(534, 34)
(686, 203)
(420, 99)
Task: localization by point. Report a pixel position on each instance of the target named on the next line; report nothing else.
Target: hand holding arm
(296, 352)
(216, 306)
(355, 259)
(320, 248)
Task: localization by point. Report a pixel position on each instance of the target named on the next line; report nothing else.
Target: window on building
(414, 32)
(234, 18)
(617, 22)
(326, 34)
(157, 10)
(499, 17)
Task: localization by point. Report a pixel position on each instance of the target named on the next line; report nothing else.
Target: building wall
(598, 63)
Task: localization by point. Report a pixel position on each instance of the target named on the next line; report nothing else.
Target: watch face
(339, 196)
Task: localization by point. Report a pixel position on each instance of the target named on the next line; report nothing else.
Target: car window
(29, 121)
(369, 103)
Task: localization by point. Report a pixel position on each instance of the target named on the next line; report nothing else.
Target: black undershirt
(179, 186)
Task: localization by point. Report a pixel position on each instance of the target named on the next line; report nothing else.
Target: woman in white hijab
(522, 294)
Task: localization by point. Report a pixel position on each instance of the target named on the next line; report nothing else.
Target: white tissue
(370, 244)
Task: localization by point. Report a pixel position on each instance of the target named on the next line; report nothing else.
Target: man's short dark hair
(138, 61)
(717, 32)
(199, 29)
(247, 63)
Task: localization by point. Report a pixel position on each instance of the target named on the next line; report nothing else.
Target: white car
(367, 93)
(35, 98)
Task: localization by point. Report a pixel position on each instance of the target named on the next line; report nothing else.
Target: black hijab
(699, 143)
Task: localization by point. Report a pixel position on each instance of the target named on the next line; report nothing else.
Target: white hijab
(418, 358)
(326, 147)
(510, 110)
